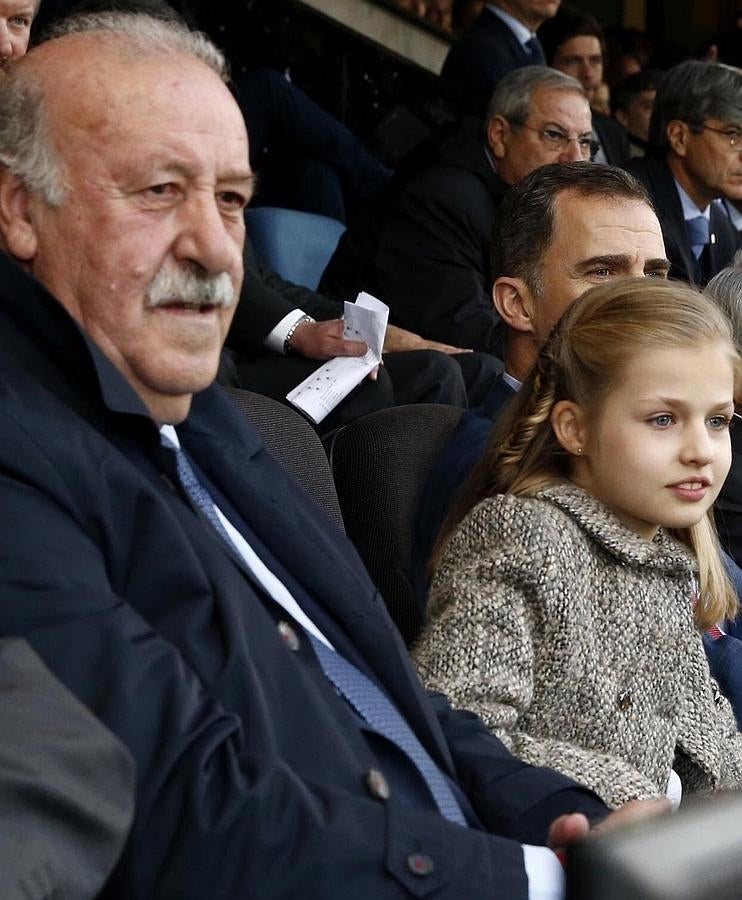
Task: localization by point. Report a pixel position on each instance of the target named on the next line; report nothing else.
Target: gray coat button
(624, 700)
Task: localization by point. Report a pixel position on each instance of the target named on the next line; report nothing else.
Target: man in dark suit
(695, 158)
(573, 43)
(561, 230)
(430, 259)
(501, 38)
(174, 577)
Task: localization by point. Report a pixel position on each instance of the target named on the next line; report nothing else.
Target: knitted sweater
(573, 639)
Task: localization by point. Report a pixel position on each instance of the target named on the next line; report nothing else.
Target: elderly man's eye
(232, 200)
(552, 134)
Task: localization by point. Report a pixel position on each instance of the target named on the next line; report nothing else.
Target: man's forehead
(596, 224)
(546, 100)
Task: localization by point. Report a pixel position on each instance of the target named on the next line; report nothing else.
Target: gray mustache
(186, 286)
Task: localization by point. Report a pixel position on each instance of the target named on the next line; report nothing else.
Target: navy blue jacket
(252, 772)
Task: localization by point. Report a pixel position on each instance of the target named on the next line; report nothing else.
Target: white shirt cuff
(545, 874)
(275, 338)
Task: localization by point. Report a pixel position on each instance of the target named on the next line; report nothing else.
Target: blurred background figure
(632, 102)
(573, 44)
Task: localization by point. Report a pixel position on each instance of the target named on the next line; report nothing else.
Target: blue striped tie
(382, 715)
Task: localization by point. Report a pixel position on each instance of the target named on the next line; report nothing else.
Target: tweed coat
(573, 638)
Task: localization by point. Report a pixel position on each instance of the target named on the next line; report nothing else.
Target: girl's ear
(570, 426)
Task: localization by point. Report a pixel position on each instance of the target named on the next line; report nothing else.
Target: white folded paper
(365, 320)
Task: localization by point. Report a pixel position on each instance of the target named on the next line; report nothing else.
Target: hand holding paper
(365, 320)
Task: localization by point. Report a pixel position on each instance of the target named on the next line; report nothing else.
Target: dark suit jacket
(656, 175)
(252, 772)
(454, 465)
(613, 138)
(486, 51)
(432, 263)
(66, 786)
(728, 507)
(264, 300)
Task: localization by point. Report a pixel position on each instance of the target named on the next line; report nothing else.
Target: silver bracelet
(287, 348)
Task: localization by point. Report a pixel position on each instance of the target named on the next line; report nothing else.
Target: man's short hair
(565, 25)
(25, 145)
(511, 98)
(525, 220)
(627, 88)
(693, 92)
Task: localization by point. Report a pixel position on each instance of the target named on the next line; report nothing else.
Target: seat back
(296, 245)
(295, 444)
(380, 464)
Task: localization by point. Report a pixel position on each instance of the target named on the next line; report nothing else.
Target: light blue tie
(364, 696)
(196, 491)
(370, 702)
(698, 233)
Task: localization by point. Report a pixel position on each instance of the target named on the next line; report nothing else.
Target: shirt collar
(490, 156)
(518, 28)
(511, 381)
(690, 210)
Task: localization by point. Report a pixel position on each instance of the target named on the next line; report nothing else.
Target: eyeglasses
(558, 141)
(734, 135)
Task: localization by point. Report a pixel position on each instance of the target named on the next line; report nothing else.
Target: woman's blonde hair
(581, 360)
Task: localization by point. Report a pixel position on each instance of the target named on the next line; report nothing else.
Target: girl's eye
(719, 423)
(663, 420)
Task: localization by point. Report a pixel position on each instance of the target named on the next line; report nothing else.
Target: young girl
(568, 605)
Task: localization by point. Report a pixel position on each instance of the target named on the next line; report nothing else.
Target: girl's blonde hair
(595, 339)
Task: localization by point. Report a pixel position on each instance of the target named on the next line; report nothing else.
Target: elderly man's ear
(498, 134)
(514, 303)
(17, 231)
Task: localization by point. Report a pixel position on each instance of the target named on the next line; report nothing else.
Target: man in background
(501, 38)
(573, 43)
(427, 252)
(695, 137)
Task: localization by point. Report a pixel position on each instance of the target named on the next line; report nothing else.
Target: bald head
(123, 190)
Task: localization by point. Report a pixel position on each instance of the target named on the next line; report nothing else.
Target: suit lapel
(672, 220)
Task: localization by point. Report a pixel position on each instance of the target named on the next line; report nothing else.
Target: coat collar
(664, 553)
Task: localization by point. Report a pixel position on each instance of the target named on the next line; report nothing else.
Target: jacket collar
(665, 552)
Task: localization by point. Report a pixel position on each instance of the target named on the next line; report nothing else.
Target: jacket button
(289, 636)
(377, 785)
(420, 864)
(624, 700)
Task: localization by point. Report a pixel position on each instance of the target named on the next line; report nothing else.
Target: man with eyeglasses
(427, 252)
(695, 140)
